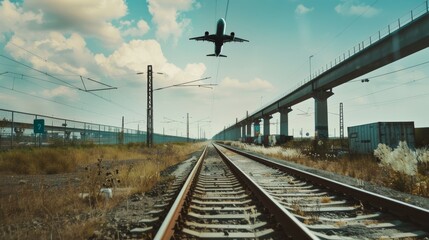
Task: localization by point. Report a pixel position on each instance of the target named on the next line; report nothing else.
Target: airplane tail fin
(214, 55)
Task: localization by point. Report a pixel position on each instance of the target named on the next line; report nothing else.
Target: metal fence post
(11, 130)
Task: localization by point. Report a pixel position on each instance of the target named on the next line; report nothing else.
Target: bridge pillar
(284, 123)
(321, 114)
(257, 129)
(266, 129)
(249, 132)
(237, 133)
(243, 132)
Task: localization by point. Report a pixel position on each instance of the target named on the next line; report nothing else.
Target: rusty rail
(166, 231)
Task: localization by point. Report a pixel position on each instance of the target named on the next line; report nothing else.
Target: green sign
(39, 125)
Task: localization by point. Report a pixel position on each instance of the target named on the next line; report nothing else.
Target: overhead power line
(184, 84)
(30, 52)
(226, 12)
(391, 72)
(57, 102)
(42, 72)
(66, 84)
(389, 88)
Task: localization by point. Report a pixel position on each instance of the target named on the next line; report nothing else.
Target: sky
(50, 50)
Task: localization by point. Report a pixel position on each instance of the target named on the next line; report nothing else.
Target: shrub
(401, 159)
(406, 170)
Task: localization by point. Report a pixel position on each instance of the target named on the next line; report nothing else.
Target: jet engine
(232, 35)
(206, 33)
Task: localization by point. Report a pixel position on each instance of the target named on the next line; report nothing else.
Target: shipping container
(422, 137)
(365, 138)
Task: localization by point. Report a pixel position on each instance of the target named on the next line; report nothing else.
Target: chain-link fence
(17, 129)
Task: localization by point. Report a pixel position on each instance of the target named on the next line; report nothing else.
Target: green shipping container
(365, 138)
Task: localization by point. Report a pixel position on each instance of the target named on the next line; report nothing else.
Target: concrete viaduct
(406, 40)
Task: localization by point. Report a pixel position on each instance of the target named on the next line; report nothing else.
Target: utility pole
(309, 59)
(341, 124)
(149, 140)
(122, 135)
(187, 127)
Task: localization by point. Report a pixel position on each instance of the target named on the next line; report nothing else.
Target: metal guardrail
(16, 129)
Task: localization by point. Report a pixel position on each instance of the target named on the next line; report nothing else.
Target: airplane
(219, 38)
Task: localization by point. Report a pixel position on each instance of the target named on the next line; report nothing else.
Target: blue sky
(112, 40)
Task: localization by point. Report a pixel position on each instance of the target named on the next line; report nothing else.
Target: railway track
(216, 202)
(231, 195)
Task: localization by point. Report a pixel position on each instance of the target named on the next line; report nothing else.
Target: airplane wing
(210, 38)
(229, 38)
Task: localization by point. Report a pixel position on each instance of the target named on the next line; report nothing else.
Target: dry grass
(52, 160)
(297, 208)
(325, 199)
(39, 211)
(364, 168)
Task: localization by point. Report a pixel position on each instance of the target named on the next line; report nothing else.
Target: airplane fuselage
(220, 31)
(219, 38)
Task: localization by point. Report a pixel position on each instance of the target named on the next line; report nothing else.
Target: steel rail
(289, 224)
(411, 213)
(166, 230)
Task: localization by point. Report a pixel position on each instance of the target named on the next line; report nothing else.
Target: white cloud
(90, 18)
(141, 29)
(301, 9)
(53, 53)
(125, 23)
(14, 18)
(166, 15)
(231, 86)
(349, 8)
(60, 92)
(134, 57)
(195, 69)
